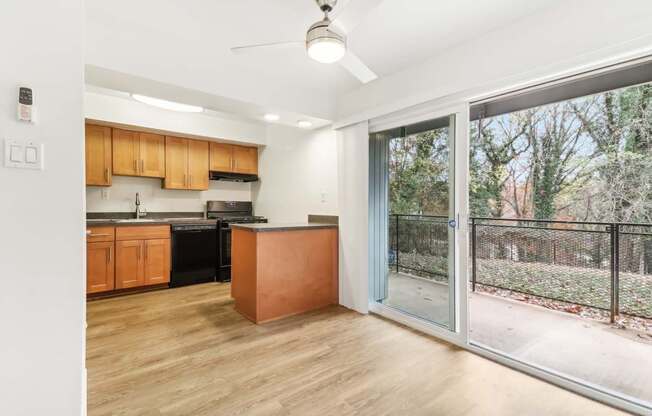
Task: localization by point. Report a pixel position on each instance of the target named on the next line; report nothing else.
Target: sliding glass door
(414, 224)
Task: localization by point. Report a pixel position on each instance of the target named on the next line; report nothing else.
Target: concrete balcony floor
(595, 352)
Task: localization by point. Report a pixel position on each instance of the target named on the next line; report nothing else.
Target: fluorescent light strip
(304, 124)
(168, 105)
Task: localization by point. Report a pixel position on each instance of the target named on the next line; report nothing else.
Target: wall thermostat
(26, 110)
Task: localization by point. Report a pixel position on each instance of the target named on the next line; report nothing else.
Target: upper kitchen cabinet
(245, 160)
(197, 165)
(138, 154)
(186, 164)
(233, 158)
(221, 157)
(152, 155)
(98, 155)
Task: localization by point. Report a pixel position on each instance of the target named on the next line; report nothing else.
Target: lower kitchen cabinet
(139, 257)
(129, 264)
(99, 267)
(157, 261)
(142, 263)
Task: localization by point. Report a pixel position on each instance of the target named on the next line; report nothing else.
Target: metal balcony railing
(600, 265)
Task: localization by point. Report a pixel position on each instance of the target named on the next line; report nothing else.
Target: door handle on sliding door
(455, 223)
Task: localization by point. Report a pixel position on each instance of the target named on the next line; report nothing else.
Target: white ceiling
(186, 44)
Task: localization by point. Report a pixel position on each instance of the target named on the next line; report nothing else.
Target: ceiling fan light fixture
(323, 44)
(326, 50)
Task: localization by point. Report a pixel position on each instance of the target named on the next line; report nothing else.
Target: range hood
(232, 177)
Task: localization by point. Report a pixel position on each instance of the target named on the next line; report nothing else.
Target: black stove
(227, 213)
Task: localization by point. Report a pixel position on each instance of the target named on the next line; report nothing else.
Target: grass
(582, 286)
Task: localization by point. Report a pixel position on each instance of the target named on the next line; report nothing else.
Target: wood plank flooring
(186, 351)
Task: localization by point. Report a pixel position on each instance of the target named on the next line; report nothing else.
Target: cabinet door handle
(106, 174)
(185, 180)
(142, 165)
(136, 165)
(138, 252)
(108, 261)
(90, 233)
(190, 180)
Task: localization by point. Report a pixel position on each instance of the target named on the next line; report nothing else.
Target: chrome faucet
(138, 211)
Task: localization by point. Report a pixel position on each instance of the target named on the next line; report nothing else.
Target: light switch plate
(26, 154)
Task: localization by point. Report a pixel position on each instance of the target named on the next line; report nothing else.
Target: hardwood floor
(186, 351)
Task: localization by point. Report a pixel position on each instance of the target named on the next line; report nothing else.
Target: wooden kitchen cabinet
(233, 158)
(100, 261)
(157, 261)
(152, 155)
(99, 267)
(221, 157)
(245, 159)
(142, 256)
(197, 165)
(98, 155)
(138, 154)
(125, 152)
(176, 163)
(127, 257)
(186, 164)
(129, 264)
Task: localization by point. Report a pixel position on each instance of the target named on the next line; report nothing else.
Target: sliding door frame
(460, 336)
(459, 147)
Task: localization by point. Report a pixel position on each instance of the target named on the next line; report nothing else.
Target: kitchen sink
(135, 220)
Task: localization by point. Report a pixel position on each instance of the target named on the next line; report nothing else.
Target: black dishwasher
(194, 258)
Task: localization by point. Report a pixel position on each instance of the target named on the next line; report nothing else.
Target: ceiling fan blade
(355, 66)
(353, 12)
(267, 46)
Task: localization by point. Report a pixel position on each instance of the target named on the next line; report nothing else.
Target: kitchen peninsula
(280, 270)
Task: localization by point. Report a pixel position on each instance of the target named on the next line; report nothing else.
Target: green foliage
(588, 159)
(419, 173)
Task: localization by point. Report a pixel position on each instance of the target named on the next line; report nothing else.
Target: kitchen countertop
(157, 221)
(271, 226)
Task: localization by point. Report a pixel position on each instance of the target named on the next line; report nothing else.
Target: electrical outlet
(105, 194)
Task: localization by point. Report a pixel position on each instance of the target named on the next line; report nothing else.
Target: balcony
(569, 296)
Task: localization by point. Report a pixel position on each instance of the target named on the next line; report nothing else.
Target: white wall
(42, 251)
(298, 174)
(124, 110)
(122, 195)
(573, 34)
(353, 197)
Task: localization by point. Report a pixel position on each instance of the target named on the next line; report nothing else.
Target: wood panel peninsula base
(279, 270)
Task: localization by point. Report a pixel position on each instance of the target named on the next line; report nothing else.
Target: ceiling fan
(326, 39)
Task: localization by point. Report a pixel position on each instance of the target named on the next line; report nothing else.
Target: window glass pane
(561, 200)
(420, 204)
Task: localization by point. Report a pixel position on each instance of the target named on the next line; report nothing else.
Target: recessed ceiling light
(272, 117)
(168, 105)
(304, 124)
